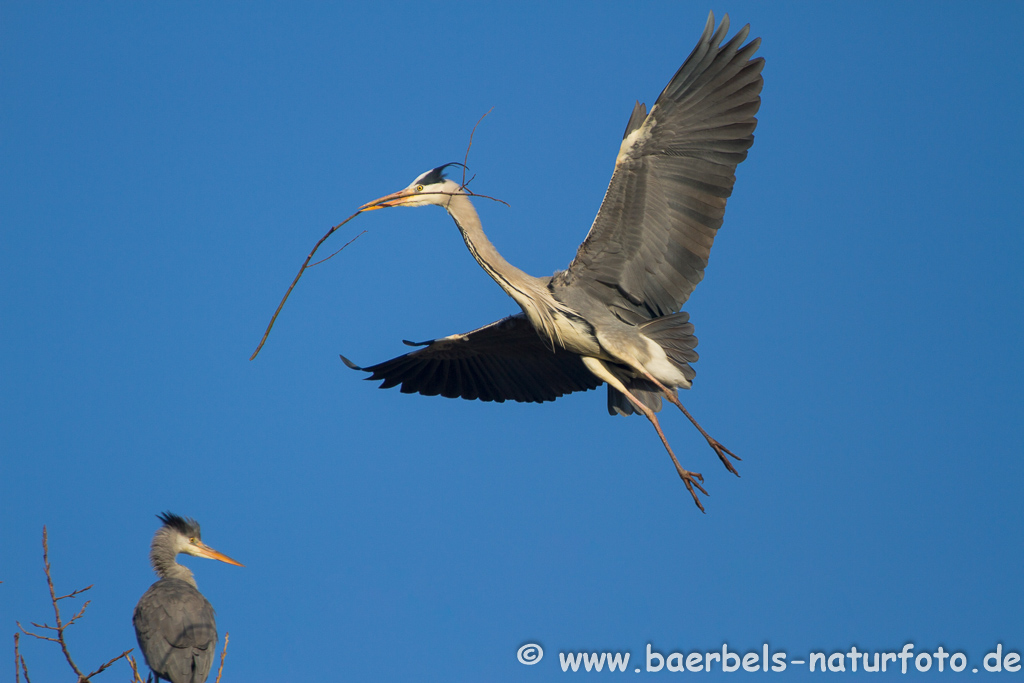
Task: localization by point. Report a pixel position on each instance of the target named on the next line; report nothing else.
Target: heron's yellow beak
(393, 199)
(200, 549)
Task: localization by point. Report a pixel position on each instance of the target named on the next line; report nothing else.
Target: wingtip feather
(350, 364)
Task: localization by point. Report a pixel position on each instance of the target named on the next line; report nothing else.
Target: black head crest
(184, 525)
(436, 175)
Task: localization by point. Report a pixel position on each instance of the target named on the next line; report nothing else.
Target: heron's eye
(192, 540)
(419, 188)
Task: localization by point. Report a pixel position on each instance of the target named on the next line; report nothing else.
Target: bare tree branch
(136, 678)
(18, 659)
(36, 635)
(56, 607)
(60, 627)
(74, 593)
(223, 654)
(465, 160)
(328, 258)
(104, 666)
(305, 265)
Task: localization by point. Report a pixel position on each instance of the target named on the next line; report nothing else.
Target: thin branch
(56, 608)
(223, 653)
(136, 678)
(305, 265)
(311, 265)
(104, 666)
(19, 659)
(61, 625)
(465, 159)
(465, 183)
(79, 615)
(464, 192)
(40, 626)
(493, 199)
(36, 635)
(74, 593)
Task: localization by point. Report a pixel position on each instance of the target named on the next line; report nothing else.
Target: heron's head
(184, 536)
(431, 187)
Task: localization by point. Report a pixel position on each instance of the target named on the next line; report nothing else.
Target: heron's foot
(722, 451)
(692, 479)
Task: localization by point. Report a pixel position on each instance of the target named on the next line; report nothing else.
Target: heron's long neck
(163, 554)
(529, 292)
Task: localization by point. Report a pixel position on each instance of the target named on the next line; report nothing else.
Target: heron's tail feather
(674, 333)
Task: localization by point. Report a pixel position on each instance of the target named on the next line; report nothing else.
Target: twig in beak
(305, 265)
(465, 159)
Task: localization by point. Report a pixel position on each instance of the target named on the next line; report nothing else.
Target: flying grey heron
(174, 623)
(614, 314)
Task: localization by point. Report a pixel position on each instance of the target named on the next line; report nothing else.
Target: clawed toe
(722, 451)
(691, 480)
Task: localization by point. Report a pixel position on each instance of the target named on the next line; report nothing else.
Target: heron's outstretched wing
(650, 242)
(175, 627)
(505, 360)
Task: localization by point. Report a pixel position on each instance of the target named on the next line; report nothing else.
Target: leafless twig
(483, 196)
(305, 265)
(61, 625)
(24, 667)
(18, 659)
(136, 678)
(464, 186)
(328, 258)
(223, 653)
(465, 159)
(103, 667)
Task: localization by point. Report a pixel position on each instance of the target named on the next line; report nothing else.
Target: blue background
(166, 168)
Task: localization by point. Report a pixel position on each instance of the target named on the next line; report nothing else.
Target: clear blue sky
(166, 168)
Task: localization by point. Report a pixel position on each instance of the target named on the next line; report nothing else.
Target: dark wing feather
(177, 634)
(505, 360)
(649, 245)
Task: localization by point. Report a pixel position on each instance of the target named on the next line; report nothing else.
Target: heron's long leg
(689, 478)
(721, 450)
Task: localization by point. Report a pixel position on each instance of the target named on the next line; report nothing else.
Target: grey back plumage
(176, 631)
(651, 239)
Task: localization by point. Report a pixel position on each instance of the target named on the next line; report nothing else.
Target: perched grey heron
(174, 623)
(614, 314)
